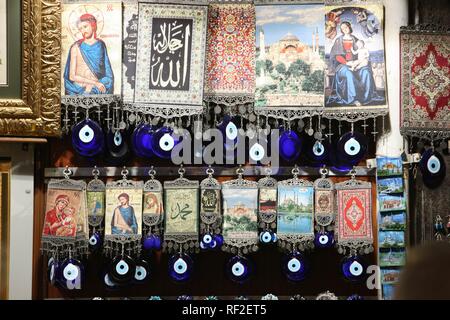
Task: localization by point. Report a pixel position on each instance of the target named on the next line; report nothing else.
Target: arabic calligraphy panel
(181, 211)
(171, 55)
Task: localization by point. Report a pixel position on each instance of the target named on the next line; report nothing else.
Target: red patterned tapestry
(425, 84)
(354, 215)
(231, 51)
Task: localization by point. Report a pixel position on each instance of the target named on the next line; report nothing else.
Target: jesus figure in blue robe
(88, 69)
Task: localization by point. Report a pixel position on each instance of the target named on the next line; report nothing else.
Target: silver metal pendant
(324, 202)
(267, 207)
(153, 208)
(295, 214)
(240, 205)
(65, 231)
(210, 205)
(181, 215)
(123, 217)
(354, 221)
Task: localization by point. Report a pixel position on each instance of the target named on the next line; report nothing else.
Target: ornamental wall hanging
(230, 56)
(152, 213)
(171, 58)
(65, 232)
(425, 82)
(267, 208)
(324, 210)
(240, 227)
(95, 194)
(354, 225)
(295, 224)
(181, 224)
(210, 213)
(355, 76)
(289, 64)
(91, 54)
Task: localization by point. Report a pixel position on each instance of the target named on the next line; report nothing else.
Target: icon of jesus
(124, 220)
(88, 68)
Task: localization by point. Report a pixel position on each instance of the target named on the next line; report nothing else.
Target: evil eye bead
(231, 131)
(149, 242)
(318, 149)
(70, 272)
(53, 269)
(207, 239)
(353, 269)
(203, 246)
(95, 241)
(324, 240)
(213, 244)
(88, 138)
(142, 141)
(142, 271)
(352, 147)
(218, 238)
(163, 142)
(117, 138)
(266, 237)
(290, 146)
(238, 269)
(274, 237)
(257, 152)
(122, 269)
(166, 143)
(86, 134)
(180, 267)
(433, 168)
(108, 282)
(434, 165)
(295, 267)
(157, 243)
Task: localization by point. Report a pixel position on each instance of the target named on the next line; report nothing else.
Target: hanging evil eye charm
(290, 145)
(180, 267)
(295, 267)
(352, 148)
(353, 268)
(122, 269)
(185, 297)
(142, 272)
(163, 142)
(142, 140)
(87, 138)
(95, 241)
(266, 237)
(72, 274)
(257, 152)
(117, 146)
(148, 243)
(239, 269)
(109, 283)
(53, 271)
(317, 152)
(218, 238)
(324, 239)
(207, 242)
(433, 168)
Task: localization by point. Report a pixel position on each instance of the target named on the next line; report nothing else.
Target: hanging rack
(199, 171)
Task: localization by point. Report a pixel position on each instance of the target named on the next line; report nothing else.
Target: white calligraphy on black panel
(171, 54)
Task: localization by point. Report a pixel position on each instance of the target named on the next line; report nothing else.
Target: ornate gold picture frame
(36, 112)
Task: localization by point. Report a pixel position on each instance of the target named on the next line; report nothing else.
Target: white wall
(21, 219)
(396, 15)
